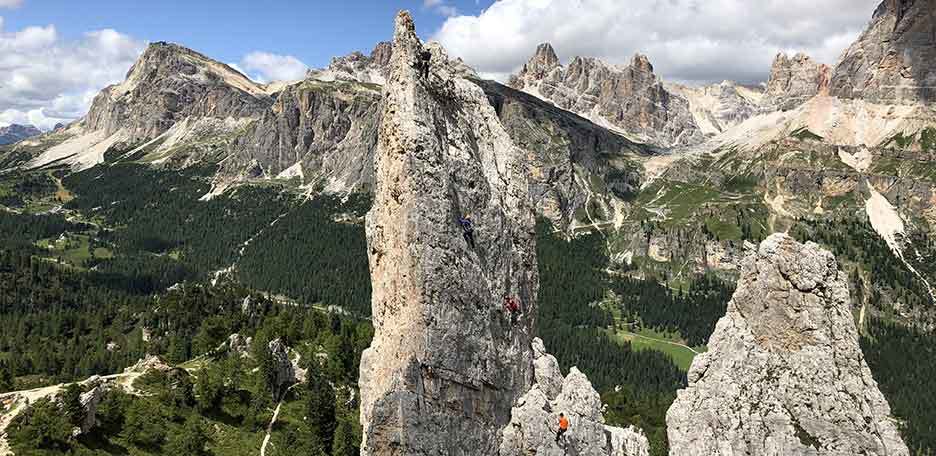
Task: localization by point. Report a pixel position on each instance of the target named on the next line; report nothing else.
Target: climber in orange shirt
(563, 426)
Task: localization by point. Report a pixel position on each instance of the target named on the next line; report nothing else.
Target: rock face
(445, 364)
(15, 133)
(284, 372)
(784, 373)
(793, 81)
(168, 84)
(315, 131)
(717, 107)
(630, 99)
(372, 69)
(90, 401)
(894, 60)
(532, 428)
(565, 153)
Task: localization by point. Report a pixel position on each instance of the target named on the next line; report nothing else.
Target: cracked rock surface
(784, 374)
(445, 364)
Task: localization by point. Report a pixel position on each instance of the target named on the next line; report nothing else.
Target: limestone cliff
(630, 98)
(445, 364)
(793, 81)
(316, 132)
(717, 107)
(784, 373)
(447, 367)
(371, 69)
(894, 60)
(168, 84)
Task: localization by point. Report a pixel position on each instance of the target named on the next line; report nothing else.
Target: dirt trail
(19, 400)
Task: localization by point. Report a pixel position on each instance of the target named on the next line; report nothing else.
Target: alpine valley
(204, 264)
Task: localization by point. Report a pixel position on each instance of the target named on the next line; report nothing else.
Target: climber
(512, 306)
(425, 58)
(563, 427)
(465, 223)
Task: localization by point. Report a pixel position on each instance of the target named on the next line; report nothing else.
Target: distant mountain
(794, 80)
(15, 133)
(717, 107)
(629, 99)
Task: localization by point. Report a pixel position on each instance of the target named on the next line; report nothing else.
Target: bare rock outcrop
(718, 107)
(445, 364)
(370, 69)
(784, 373)
(894, 60)
(90, 401)
(315, 132)
(630, 99)
(532, 428)
(15, 133)
(284, 373)
(793, 81)
(168, 84)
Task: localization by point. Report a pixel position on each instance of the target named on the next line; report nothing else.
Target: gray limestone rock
(284, 373)
(14, 133)
(894, 60)
(630, 98)
(784, 374)
(793, 81)
(534, 420)
(445, 364)
(320, 131)
(168, 84)
(718, 107)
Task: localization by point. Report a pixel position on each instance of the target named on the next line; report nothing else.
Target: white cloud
(440, 7)
(267, 67)
(10, 3)
(687, 40)
(45, 80)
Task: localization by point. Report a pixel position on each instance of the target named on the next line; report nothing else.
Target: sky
(55, 56)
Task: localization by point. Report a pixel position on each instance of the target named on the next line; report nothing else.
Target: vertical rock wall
(445, 365)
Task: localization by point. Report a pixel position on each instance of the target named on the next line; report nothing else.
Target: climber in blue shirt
(468, 230)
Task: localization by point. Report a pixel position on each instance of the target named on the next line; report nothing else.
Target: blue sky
(313, 31)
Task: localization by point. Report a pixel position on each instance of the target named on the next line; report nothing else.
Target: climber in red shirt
(512, 306)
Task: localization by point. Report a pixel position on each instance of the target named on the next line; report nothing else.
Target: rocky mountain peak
(381, 54)
(641, 62)
(14, 133)
(168, 84)
(629, 99)
(442, 342)
(544, 60)
(794, 80)
(894, 60)
(784, 373)
(448, 362)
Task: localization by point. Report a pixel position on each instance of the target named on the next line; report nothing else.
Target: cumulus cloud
(267, 67)
(10, 3)
(45, 80)
(686, 40)
(441, 7)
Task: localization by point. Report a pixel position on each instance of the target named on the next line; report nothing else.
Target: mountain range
(623, 208)
(15, 133)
